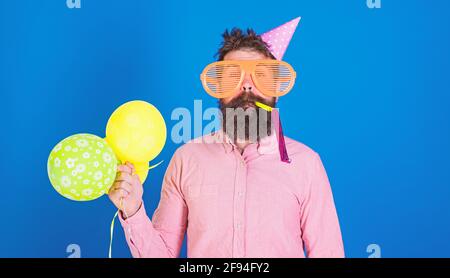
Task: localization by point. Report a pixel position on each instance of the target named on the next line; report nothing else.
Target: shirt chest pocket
(203, 206)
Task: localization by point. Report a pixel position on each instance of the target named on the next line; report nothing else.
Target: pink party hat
(279, 38)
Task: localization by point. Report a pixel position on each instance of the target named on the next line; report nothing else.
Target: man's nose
(247, 85)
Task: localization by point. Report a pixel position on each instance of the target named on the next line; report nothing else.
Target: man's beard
(242, 120)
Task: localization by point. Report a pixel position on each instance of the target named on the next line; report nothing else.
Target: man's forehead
(244, 54)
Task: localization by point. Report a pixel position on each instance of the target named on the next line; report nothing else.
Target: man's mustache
(246, 98)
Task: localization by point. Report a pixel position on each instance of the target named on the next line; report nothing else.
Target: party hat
(279, 38)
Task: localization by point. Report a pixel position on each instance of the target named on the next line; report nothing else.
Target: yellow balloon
(141, 170)
(136, 131)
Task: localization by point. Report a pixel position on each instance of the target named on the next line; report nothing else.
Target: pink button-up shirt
(240, 205)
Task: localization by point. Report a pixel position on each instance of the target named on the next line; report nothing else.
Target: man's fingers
(121, 193)
(123, 185)
(129, 164)
(125, 169)
(136, 178)
(117, 193)
(124, 177)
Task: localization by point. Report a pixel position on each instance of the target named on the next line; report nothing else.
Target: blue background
(372, 98)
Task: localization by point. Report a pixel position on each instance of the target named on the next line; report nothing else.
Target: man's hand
(126, 191)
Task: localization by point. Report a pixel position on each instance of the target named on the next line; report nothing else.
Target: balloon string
(156, 165)
(149, 168)
(111, 230)
(111, 235)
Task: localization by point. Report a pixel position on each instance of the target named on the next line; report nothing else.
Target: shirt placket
(239, 207)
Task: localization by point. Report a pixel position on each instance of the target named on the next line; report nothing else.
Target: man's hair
(237, 39)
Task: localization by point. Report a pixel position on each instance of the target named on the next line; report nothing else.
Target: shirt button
(240, 194)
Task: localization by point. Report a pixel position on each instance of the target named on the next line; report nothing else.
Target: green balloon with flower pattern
(82, 167)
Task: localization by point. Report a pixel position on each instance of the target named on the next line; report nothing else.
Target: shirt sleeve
(163, 235)
(320, 229)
